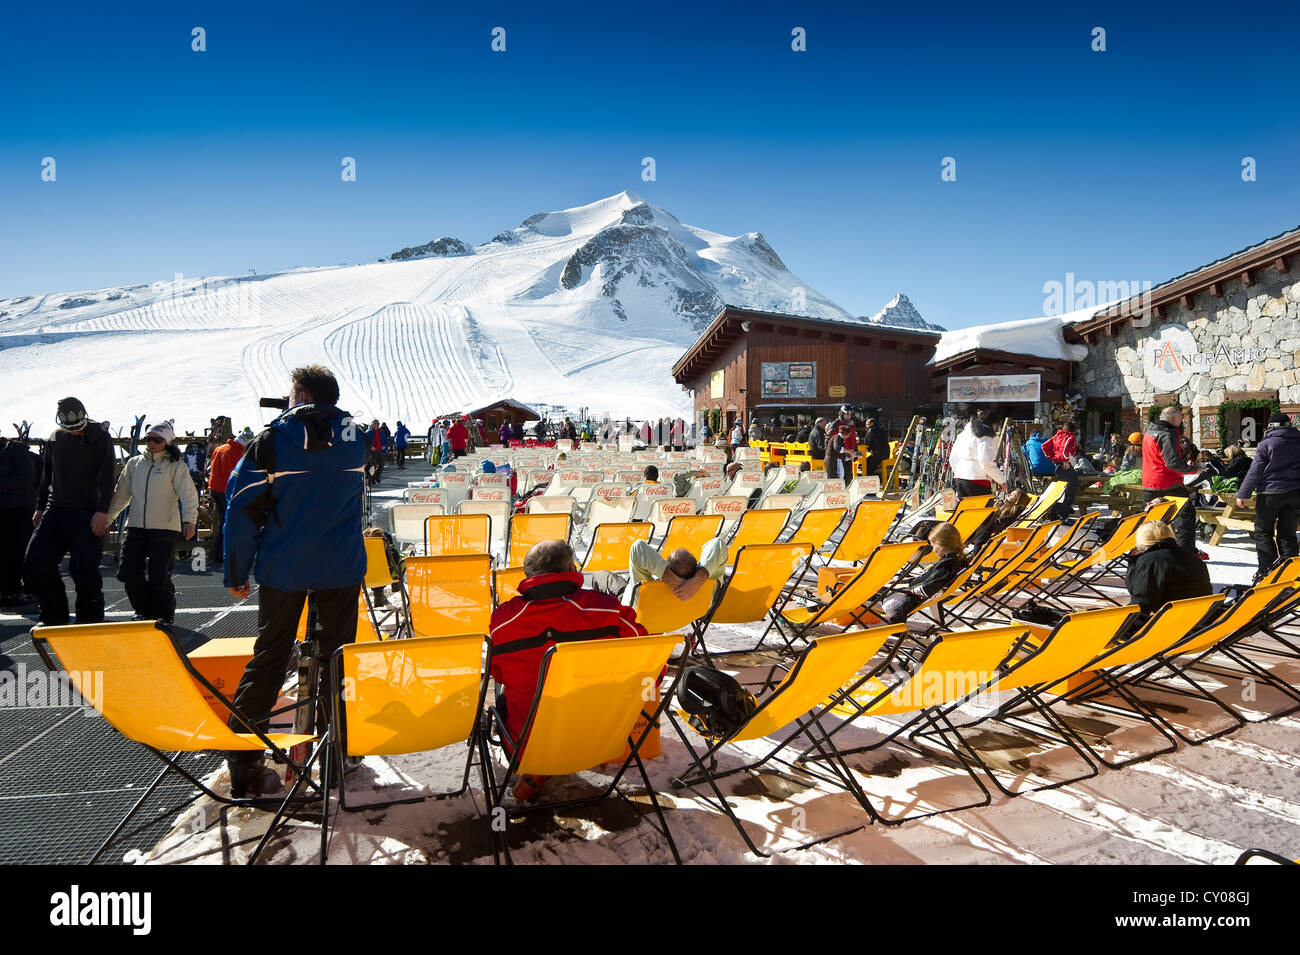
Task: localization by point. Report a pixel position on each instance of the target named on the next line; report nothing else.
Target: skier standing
(71, 516)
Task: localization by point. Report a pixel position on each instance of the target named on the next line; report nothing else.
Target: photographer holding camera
(294, 520)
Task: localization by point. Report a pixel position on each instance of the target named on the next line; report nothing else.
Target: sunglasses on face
(153, 440)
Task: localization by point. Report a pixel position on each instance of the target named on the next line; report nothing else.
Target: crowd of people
(289, 511)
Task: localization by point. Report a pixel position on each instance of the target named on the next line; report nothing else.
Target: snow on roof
(1039, 337)
(509, 402)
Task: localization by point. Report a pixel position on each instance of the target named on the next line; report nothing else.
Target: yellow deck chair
(1068, 649)
(143, 685)
(756, 527)
(1111, 670)
(1042, 504)
(449, 595)
(590, 696)
(457, 535)
(505, 583)
(955, 668)
(529, 529)
(1076, 575)
(691, 531)
(871, 522)
(659, 610)
(753, 590)
(884, 564)
(825, 666)
(816, 527)
(964, 604)
(1247, 616)
(611, 545)
(405, 696)
(974, 503)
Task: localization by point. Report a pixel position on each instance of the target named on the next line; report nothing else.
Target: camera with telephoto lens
(281, 404)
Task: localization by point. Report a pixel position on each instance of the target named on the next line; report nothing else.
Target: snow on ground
(1202, 804)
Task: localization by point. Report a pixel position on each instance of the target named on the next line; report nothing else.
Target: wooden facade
(851, 364)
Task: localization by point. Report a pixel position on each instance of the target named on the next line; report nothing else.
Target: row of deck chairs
(422, 694)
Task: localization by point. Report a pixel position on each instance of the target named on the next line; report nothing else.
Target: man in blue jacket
(1039, 463)
(1274, 477)
(294, 520)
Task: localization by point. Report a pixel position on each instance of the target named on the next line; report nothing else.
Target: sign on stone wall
(995, 388)
(1209, 420)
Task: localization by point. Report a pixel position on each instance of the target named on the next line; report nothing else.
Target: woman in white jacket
(164, 503)
(973, 457)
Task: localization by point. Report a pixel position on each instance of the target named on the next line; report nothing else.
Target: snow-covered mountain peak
(901, 313)
(583, 306)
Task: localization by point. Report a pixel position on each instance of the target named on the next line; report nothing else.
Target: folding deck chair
(458, 535)
(449, 595)
(1167, 628)
(659, 610)
(867, 530)
(498, 511)
(611, 545)
(955, 668)
(1246, 617)
(529, 529)
(756, 527)
(151, 695)
(823, 668)
(885, 563)
(753, 589)
(690, 531)
(590, 695)
(404, 696)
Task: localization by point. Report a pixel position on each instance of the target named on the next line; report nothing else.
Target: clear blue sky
(1122, 165)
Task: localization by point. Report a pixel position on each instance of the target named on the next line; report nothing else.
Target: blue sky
(1116, 166)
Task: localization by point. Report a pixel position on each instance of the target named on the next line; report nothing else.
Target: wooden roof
(725, 329)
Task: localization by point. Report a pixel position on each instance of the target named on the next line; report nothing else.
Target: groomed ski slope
(407, 339)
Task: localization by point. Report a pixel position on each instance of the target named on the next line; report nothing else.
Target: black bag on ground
(716, 705)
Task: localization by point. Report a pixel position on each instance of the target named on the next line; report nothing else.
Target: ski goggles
(70, 420)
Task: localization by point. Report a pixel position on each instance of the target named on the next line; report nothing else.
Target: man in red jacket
(1061, 449)
(1165, 471)
(224, 460)
(552, 607)
(458, 437)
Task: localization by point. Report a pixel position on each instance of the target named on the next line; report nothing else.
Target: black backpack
(716, 705)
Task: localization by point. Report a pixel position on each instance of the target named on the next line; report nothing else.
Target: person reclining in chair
(552, 607)
(680, 570)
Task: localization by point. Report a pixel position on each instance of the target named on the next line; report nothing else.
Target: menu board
(789, 379)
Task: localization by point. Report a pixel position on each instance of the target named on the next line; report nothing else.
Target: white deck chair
(663, 511)
(731, 507)
(499, 513)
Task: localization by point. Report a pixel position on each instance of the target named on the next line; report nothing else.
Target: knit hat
(165, 430)
(1279, 420)
(71, 414)
(1135, 437)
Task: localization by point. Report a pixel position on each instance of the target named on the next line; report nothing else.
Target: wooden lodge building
(792, 369)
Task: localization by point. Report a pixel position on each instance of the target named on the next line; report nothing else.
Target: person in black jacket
(72, 504)
(876, 439)
(1163, 570)
(946, 544)
(817, 440)
(19, 473)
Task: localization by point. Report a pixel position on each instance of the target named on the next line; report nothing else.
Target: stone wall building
(1221, 341)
